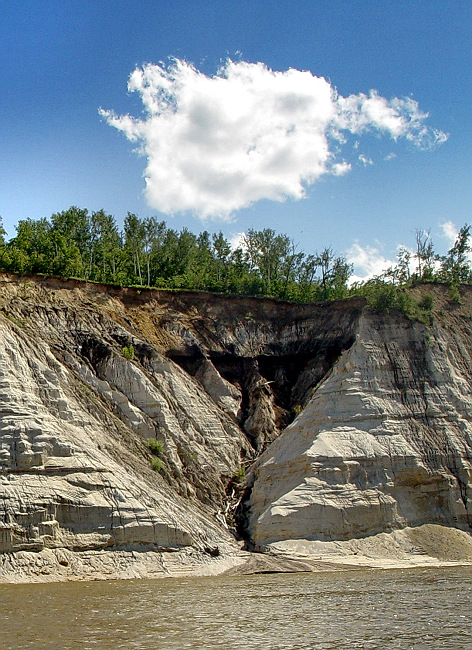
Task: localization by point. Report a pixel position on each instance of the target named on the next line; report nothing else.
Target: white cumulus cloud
(368, 262)
(341, 168)
(216, 144)
(449, 232)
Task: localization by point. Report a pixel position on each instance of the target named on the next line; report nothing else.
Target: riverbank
(429, 545)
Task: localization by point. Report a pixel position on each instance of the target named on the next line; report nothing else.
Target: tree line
(90, 246)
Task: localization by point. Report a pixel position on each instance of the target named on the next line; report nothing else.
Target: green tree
(240, 277)
(106, 248)
(267, 254)
(153, 236)
(4, 257)
(305, 279)
(425, 256)
(3, 232)
(33, 246)
(178, 255)
(290, 264)
(334, 272)
(455, 266)
(403, 267)
(134, 244)
(202, 272)
(73, 226)
(221, 250)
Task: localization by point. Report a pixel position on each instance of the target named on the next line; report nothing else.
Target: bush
(240, 475)
(454, 294)
(380, 295)
(156, 464)
(128, 352)
(426, 303)
(406, 303)
(383, 296)
(156, 447)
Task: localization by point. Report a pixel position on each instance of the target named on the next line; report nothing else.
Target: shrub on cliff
(426, 303)
(128, 352)
(156, 447)
(384, 296)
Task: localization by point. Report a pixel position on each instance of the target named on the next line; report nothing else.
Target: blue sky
(62, 61)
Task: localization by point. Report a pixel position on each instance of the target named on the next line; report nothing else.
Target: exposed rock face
(69, 478)
(75, 410)
(384, 442)
(374, 412)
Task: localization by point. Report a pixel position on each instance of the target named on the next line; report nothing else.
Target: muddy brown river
(415, 608)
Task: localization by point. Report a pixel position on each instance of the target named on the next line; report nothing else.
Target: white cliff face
(384, 443)
(163, 402)
(222, 392)
(382, 440)
(67, 478)
(76, 483)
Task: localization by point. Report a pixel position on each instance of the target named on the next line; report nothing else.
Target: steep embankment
(375, 411)
(78, 495)
(383, 445)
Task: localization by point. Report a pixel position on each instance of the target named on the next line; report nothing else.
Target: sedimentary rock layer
(384, 442)
(347, 423)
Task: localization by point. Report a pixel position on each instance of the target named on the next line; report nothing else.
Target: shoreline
(429, 545)
(256, 564)
(275, 564)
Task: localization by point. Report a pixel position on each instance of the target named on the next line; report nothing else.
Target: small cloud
(397, 118)
(216, 144)
(368, 262)
(237, 240)
(449, 232)
(341, 168)
(365, 161)
(390, 156)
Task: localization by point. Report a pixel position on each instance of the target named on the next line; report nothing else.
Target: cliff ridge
(348, 424)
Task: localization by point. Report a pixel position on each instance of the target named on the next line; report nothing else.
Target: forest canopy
(90, 246)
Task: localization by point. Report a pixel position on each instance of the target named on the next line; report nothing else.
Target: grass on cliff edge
(383, 297)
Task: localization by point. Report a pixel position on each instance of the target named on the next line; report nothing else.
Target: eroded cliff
(384, 443)
(373, 410)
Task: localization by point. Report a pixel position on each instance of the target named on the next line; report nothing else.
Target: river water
(414, 608)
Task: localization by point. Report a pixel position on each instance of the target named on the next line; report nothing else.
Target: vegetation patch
(156, 447)
(454, 294)
(156, 464)
(240, 475)
(128, 352)
(146, 254)
(426, 303)
(16, 321)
